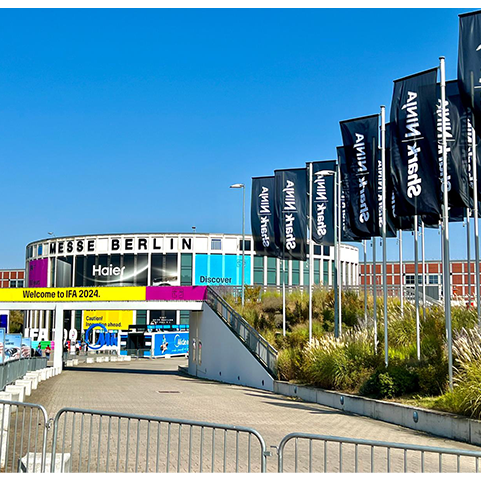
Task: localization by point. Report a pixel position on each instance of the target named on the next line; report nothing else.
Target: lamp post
(241, 185)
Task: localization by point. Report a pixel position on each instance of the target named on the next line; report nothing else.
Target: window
(186, 269)
(13, 284)
(247, 244)
(141, 317)
(410, 279)
(317, 274)
(325, 272)
(326, 250)
(20, 283)
(271, 271)
(216, 244)
(317, 250)
(258, 270)
(296, 274)
(306, 273)
(433, 280)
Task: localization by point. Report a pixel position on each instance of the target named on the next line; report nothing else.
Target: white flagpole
(337, 286)
(311, 253)
(374, 284)
(424, 271)
(416, 288)
(401, 273)
(364, 242)
(475, 209)
(283, 298)
(447, 276)
(468, 253)
(384, 225)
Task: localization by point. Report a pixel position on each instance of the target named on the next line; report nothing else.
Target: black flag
(414, 162)
(469, 63)
(456, 114)
(291, 217)
(347, 235)
(359, 137)
(323, 202)
(262, 216)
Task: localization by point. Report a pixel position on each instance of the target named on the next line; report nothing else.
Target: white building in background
(151, 259)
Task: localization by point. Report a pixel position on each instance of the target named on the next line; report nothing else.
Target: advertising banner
(26, 348)
(221, 270)
(2, 345)
(414, 160)
(469, 63)
(78, 294)
(110, 319)
(347, 234)
(38, 273)
(170, 343)
(323, 203)
(359, 137)
(262, 216)
(457, 181)
(291, 215)
(13, 346)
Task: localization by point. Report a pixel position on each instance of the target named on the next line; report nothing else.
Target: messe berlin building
(165, 259)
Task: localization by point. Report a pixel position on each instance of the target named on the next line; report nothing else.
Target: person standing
(47, 352)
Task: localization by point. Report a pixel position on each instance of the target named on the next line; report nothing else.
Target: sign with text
(110, 319)
(172, 343)
(13, 345)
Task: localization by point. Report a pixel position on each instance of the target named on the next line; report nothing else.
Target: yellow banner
(77, 294)
(112, 319)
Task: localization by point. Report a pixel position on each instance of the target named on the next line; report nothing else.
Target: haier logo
(98, 270)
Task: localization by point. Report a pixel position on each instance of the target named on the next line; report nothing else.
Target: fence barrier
(93, 441)
(327, 454)
(23, 437)
(87, 441)
(16, 369)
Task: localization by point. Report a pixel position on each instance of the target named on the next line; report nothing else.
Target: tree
(16, 321)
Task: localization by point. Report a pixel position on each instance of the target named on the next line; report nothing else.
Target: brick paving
(155, 387)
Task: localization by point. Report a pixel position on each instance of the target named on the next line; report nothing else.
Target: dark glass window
(80, 265)
(129, 270)
(186, 269)
(141, 269)
(317, 276)
(258, 270)
(296, 273)
(325, 272)
(163, 269)
(326, 250)
(89, 280)
(141, 317)
(271, 271)
(317, 249)
(184, 317)
(248, 245)
(306, 273)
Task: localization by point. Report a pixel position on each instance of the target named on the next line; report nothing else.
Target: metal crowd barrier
(15, 369)
(23, 437)
(93, 441)
(256, 344)
(327, 454)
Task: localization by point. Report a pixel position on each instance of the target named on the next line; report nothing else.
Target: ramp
(225, 347)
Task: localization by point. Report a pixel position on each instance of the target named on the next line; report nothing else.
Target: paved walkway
(154, 387)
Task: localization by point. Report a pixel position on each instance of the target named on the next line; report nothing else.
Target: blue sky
(118, 121)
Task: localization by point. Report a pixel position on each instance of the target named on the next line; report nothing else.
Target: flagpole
(447, 276)
(384, 224)
(416, 287)
(468, 253)
(365, 281)
(311, 252)
(337, 180)
(283, 298)
(401, 273)
(424, 270)
(374, 283)
(337, 319)
(475, 209)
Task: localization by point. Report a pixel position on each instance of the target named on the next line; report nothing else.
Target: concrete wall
(437, 423)
(223, 356)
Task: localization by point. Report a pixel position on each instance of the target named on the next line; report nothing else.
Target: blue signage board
(222, 270)
(4, 322)
(170, 343)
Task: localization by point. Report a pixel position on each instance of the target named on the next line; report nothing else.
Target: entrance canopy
(100, 298)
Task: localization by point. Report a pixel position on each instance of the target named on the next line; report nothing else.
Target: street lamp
(241, 185)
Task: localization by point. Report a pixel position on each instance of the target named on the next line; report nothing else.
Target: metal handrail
(262, 350)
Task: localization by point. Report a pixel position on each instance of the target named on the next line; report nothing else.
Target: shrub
(390, 382)
(289, 362)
